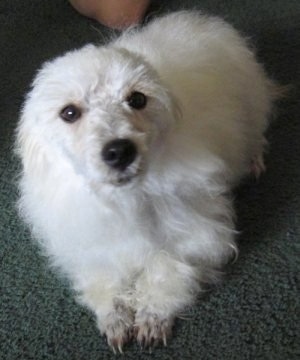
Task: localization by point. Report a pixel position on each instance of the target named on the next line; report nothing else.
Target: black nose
(119, 153)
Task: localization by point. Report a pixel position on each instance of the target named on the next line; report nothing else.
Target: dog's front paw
(119, 328)
(150, 329)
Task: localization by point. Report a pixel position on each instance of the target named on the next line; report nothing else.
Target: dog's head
(104, 111)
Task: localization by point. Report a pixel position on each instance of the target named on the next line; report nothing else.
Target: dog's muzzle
(118, 154)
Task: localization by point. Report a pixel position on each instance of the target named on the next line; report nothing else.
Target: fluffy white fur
(137, 251)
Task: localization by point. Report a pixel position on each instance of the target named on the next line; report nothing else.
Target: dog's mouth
(114, 180)
(124, 179)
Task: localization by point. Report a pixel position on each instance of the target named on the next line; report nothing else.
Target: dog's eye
(137, 100)
(70, 113)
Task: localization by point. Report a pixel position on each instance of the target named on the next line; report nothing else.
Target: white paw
(119, 327)
(151, 329)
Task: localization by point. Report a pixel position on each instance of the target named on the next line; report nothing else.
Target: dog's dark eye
(137, 100)
(70, 113)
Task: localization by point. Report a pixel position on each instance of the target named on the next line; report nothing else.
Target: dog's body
(137, 232)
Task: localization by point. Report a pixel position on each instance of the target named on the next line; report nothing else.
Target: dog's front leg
(115, 317)
(164, 289)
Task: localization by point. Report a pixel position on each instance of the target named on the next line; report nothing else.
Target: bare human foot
(117, 14)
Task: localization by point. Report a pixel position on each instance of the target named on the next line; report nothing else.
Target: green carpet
(254, 313)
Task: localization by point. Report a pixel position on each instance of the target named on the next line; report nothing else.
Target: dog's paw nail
(164, 340)
(116, 344)
(150, 330)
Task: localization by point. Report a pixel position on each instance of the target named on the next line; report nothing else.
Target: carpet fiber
(254, 313)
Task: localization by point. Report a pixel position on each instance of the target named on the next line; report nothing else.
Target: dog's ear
(28, 144)
(175, 108)
(171, 105)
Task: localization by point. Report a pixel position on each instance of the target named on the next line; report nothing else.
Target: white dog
(129, 154)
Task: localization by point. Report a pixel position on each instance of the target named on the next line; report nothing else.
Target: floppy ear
(28, 144)
(172, 106)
